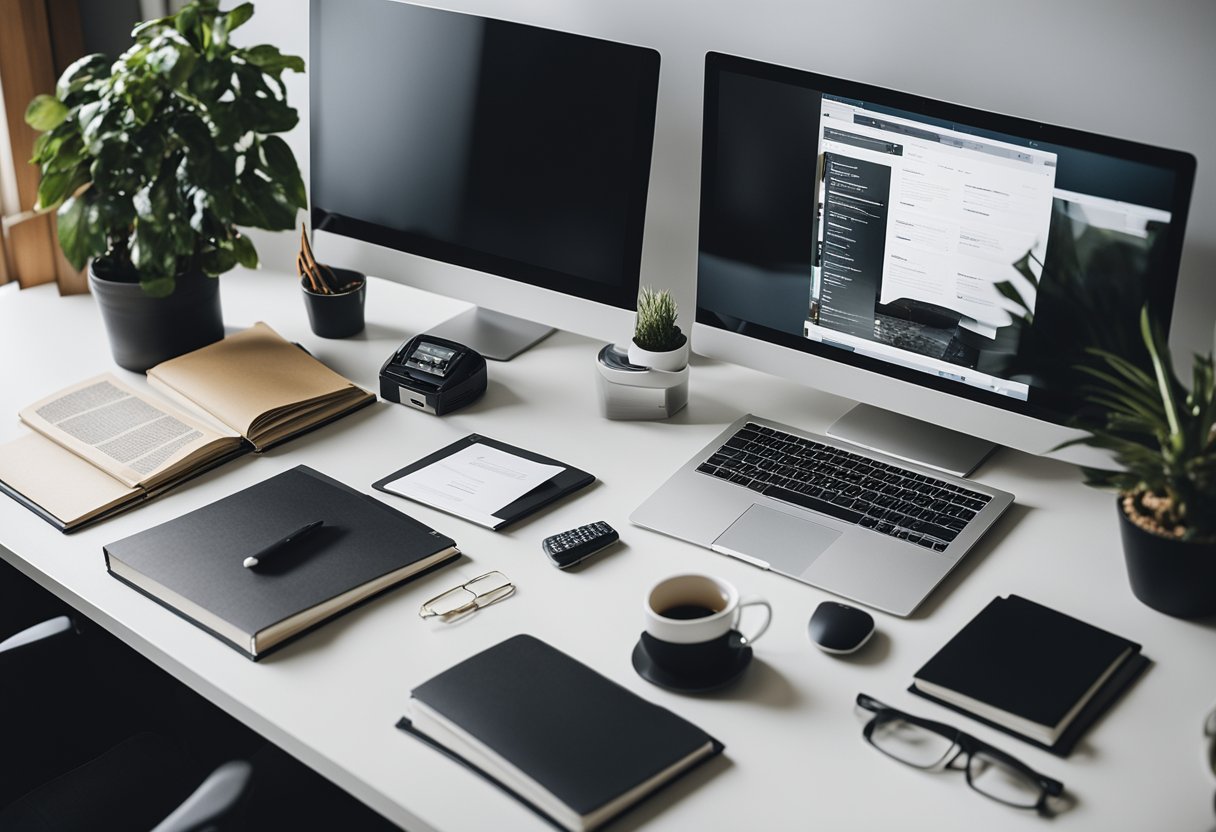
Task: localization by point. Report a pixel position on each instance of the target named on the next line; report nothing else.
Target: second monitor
(933, 260)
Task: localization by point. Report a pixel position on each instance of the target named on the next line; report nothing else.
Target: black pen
(264, 553)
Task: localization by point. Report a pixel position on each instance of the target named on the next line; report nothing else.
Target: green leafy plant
(1161, 434)
(656, 328)
(154, 159)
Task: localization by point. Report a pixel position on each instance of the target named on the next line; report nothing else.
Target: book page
(129, 435)
(252, 381)
(60, 482)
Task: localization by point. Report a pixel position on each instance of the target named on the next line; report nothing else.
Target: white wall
(1135, 69)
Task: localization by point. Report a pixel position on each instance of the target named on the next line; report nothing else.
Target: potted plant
(1162, 436)
(153, 160)
(657, 340)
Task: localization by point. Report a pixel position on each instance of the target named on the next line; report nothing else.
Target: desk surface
(794, 753)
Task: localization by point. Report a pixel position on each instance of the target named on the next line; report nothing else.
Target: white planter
(672, 360)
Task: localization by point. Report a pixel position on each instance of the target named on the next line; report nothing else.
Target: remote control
(568, 548)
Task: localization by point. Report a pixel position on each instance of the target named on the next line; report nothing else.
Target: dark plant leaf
(280, 164)
(81, 72)
(1023, 267)
(245, 252)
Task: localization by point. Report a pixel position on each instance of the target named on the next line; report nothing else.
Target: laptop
(871, 528)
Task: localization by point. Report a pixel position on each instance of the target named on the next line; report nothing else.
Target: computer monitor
(498, 163)
(944, 266)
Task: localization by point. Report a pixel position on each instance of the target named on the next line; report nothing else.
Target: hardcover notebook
(565, 480)
(1031, 671)
(572, 745)
(194, 564)
(101, 446)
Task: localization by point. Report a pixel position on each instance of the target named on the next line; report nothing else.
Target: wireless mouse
(839, 628)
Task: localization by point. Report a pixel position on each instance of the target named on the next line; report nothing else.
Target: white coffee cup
(693, 609)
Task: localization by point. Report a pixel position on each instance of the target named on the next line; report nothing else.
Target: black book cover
(1035, 663)
(199, 556)
(582, 737)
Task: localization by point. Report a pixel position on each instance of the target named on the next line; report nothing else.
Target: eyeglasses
(470, 596)
(934, 746)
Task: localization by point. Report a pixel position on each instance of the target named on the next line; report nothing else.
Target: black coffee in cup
(687, 612)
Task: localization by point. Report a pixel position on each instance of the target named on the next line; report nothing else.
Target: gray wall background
(1136, 69)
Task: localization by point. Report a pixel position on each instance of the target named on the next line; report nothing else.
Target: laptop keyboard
(852, 487)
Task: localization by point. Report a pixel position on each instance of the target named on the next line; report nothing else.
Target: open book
(101, 446)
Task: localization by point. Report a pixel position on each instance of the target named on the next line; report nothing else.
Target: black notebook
(572, 745)
(567, 481)
(1031, 671)
(194, 564)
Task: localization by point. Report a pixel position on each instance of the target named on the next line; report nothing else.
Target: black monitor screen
(510, 149)
(970, 252)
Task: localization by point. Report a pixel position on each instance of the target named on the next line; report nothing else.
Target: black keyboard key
(813, 503)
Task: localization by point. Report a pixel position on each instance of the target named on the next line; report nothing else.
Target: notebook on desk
(865, 526)
(195, 564)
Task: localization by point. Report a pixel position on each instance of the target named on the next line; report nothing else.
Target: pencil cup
(339, 315)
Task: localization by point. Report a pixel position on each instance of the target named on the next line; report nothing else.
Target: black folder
(570, 479)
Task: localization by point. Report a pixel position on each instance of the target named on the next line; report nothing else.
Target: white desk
(794, 756)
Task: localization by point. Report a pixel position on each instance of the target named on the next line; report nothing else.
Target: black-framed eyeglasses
(470, 596)
(935, 746)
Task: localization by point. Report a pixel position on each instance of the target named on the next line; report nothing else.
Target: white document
(474, 482)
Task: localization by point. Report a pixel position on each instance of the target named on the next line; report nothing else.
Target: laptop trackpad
(788, 544)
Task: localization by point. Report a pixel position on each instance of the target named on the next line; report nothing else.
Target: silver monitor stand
(496, 336)
(911, 439)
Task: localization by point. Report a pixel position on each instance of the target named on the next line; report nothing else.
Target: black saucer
(707, 680)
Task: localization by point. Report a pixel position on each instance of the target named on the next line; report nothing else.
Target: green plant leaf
(1166, 382)
(80, 234)
(245, 252)
(280, 164)
(45, 112)
(1141, 394)
(238, 16)
(143, 30)
(57, 185)
(270, 60)
(216, 261)
(187, 23)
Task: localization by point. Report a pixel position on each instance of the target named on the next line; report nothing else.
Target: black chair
(96, 738)
(145, 781)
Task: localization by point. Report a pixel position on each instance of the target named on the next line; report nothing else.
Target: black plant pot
(145, 331)
(1172, 576)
